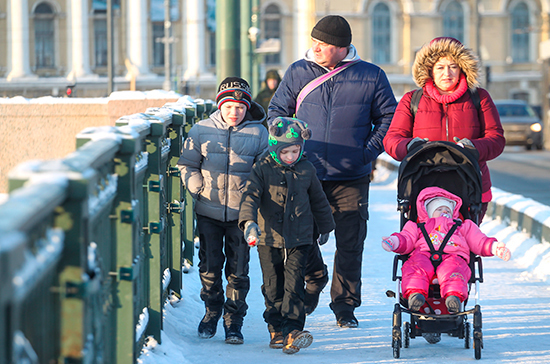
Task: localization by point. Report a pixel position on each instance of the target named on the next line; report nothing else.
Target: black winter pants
(214, 236)
(349, 201)
(283, 287)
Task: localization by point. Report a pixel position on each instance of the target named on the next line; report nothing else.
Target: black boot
(311, 300)
(209, 323)
(233, 334)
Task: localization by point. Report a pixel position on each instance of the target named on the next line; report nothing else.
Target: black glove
(252, 233)
(464, 142)
(323, 239)
(415, 142)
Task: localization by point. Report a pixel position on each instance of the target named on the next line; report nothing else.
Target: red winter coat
(438, 122)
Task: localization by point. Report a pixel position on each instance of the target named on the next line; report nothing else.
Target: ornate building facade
(50, 44)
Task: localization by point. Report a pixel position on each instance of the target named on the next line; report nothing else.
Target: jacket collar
(351, 56)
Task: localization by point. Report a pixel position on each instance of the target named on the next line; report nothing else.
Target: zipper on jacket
(445, 107)
(330, 82)
(226, 178)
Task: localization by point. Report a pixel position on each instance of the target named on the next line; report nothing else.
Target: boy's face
(233, 112)
(290, 154)
(441, 210)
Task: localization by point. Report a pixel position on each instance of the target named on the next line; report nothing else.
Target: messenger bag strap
(312, 85)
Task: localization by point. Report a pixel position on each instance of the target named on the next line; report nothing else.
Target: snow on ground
(515, 302)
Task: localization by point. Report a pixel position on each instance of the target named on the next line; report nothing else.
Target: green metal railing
(92, 245)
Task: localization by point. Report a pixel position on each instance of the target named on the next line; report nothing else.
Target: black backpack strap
(415, 100)
(437, 255)
(417, 95)
(476, 99)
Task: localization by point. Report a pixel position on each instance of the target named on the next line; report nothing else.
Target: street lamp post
(167, 40)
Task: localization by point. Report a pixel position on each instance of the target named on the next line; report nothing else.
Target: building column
(137, 40)
(78, 39)
(304, 21)
(194, 50)
(18, 39)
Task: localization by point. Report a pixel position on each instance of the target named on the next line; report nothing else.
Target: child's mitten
(252, 233)
(500, 250)
(390, 243)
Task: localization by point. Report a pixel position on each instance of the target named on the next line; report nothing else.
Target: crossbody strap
(312, 85)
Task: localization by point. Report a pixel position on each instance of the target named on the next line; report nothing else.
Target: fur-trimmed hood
(430, 53)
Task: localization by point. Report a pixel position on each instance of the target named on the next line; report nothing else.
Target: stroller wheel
(396, 345)
(406, 333)
(477, 348)
(432, 337)
(466, 335)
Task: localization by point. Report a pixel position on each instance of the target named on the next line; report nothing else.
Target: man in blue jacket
(348, 114)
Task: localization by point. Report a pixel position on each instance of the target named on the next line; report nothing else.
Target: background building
(50, 44)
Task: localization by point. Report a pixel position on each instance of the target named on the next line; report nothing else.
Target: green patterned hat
(284, 132)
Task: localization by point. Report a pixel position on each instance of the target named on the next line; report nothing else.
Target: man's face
(328, 55)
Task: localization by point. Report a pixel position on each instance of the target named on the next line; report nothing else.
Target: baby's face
(442, 210)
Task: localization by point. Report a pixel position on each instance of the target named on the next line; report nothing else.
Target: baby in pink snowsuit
(437, 208)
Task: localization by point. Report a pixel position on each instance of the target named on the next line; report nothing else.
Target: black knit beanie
(234, 89)
(285, 132)
(333, 29)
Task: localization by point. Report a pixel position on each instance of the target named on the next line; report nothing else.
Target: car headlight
(536, 127)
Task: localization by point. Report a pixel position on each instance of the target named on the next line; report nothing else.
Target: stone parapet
(46, 128)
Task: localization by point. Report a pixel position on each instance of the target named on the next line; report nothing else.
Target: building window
(100, 42)
(453, 21)
(158, 45)
(272, 29)
(520, 33)
(381, 34)
(44, 43)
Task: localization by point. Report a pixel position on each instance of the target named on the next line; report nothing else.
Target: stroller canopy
(442, 164)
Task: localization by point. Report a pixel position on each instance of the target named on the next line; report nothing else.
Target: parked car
(521, 124)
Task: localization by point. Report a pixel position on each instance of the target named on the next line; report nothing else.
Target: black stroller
(445, 165)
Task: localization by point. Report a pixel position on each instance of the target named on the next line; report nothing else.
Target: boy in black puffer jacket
(285, 188)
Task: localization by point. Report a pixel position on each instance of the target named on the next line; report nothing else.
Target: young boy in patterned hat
(284, 187)
(216, 160)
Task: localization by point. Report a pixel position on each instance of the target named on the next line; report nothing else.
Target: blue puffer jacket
(348, 115)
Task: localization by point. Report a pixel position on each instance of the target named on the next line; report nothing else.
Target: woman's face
(446, 75)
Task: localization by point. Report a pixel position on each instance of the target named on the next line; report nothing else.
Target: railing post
(177, 203)
(156, 245)
(189, 217)
(129, 294)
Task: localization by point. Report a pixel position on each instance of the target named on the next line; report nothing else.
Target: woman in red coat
(445, 70)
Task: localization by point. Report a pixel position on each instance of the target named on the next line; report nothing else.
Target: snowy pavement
(514, 299)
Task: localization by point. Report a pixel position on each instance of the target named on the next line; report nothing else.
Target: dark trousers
(216, 238)
(349, 201)
(283, 272)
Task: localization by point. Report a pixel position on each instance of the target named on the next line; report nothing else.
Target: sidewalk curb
(522, 213)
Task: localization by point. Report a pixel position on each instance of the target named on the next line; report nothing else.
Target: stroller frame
(462, 161)
(456, 325)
